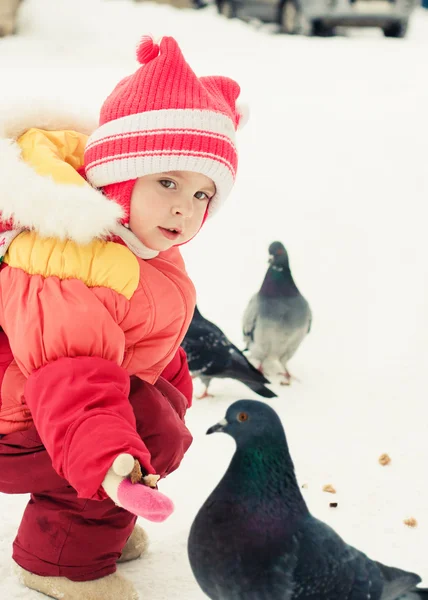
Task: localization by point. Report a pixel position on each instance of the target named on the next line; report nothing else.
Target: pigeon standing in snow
(278, 317)
(255, 539)
(211, 355)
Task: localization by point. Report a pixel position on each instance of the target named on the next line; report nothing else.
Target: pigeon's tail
(417, 594)
(250, 370)
(252, 379)
(260, 389)
(398, 583)
(240, 368)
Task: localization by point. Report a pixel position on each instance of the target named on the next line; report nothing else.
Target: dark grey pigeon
(278, 317)
(255, 539)
(211, 355)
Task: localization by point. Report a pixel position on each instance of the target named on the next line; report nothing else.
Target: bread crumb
(329, 488)
(151, 480)
(384, 459)
(410, 522)
(305, 486)
(136, 474)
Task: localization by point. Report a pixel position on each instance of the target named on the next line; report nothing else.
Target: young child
(94, 303)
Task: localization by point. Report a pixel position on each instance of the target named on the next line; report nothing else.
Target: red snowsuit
(92, 330)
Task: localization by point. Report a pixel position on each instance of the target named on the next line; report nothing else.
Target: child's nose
(183, 207)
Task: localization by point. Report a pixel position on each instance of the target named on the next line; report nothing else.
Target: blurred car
(174, 3)
(320, 17)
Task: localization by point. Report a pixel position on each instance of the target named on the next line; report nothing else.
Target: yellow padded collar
(56, 154)
(98, 264)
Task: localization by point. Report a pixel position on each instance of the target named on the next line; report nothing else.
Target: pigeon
(255, 539)
(211, 355)
(278, 317)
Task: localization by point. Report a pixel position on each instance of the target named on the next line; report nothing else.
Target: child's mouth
(170, 234)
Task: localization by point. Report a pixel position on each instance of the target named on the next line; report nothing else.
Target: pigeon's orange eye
(242, 417)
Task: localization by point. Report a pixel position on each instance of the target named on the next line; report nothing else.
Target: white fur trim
(6, 238)
(79, 213)
(65, 211)
(175, 119)
(51, 114)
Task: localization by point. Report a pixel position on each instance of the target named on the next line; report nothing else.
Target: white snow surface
(334, 163)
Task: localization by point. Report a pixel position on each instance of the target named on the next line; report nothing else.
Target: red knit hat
(164, 118)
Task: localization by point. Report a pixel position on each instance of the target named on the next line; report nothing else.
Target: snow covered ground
(333, 163)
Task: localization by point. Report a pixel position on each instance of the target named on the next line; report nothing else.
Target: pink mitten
(137, 498)
(144, 501)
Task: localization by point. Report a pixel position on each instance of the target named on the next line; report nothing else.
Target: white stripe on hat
(176, 118)
(133, 157)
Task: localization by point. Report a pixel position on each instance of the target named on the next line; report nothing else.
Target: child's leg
(59, 533)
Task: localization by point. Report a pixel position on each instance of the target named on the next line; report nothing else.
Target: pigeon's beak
(271, 259)
(218, 427)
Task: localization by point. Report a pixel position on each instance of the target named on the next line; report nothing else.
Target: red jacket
(81, 319)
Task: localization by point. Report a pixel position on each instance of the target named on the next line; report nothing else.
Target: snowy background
(334, 163)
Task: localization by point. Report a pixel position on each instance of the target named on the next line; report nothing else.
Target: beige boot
(136, 545)
(111, 587)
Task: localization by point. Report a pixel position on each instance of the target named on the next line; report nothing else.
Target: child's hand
(137, 498)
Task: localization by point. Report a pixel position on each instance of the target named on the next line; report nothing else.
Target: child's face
(168, 208)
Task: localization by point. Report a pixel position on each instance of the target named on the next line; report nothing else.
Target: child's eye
(167, 183)
(202, 196)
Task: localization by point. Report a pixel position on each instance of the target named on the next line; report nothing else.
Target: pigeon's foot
(205, 394)
(288, 378)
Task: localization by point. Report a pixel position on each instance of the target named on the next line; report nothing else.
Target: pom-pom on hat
(164, 118)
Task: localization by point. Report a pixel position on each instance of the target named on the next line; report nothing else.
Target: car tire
(398, 29)
(226, 8)
(320, 29)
